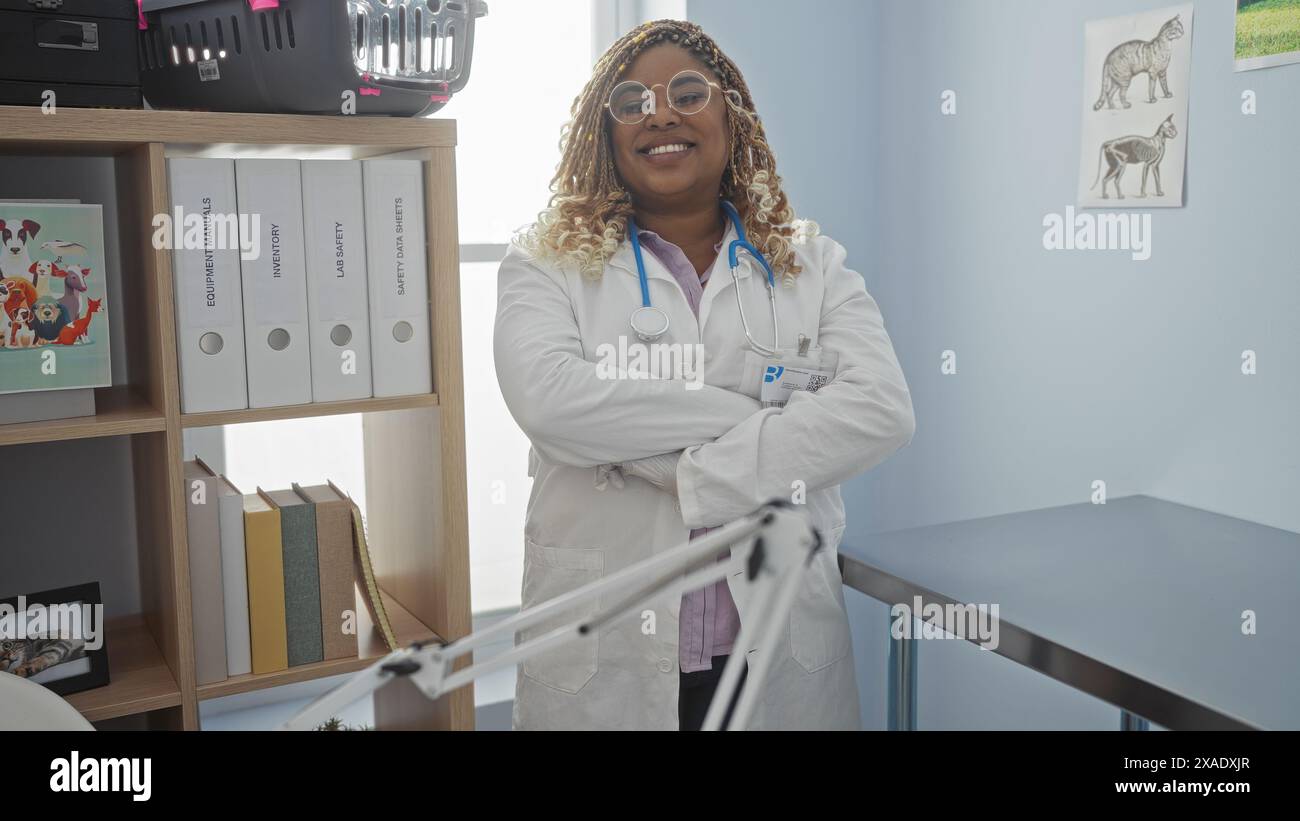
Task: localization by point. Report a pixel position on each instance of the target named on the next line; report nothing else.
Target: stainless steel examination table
(1138, 602)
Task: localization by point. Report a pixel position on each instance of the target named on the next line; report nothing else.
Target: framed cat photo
(1133, 126)
(55, 638)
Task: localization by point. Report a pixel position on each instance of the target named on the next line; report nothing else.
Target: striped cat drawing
(1127, 60)
(1131, 150)
(26, 658)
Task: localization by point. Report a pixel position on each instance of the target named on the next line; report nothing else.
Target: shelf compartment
(371, 646)
(239, 417)
(123, 184)
(139, 679)
(119, 411)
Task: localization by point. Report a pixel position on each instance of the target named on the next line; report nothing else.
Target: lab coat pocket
(819, 627)
(551, 572)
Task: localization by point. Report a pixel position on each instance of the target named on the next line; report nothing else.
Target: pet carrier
(396, 57)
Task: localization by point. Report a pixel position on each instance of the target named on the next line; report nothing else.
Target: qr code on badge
(208, 71)
(815, 381)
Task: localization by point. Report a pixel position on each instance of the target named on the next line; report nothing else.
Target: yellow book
(265, 560)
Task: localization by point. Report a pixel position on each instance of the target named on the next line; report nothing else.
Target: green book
(301, 577)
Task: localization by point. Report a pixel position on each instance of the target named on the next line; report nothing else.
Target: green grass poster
(1268, 33)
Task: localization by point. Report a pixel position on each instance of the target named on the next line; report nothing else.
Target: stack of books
(273, 576)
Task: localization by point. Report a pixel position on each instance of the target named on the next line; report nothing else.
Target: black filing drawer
(83, 50)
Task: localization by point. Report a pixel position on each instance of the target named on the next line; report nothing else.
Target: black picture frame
(87, 593)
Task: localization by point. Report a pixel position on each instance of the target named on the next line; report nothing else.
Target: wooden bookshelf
(414, 445)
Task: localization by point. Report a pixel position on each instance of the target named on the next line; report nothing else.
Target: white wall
(1072, 366)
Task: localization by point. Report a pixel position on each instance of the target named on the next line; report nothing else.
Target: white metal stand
(771, 547)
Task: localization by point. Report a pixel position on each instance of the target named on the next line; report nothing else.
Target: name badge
(781, 378)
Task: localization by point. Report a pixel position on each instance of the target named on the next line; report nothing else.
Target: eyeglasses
(689, 92)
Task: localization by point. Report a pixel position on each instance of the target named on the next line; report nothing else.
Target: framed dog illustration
(54, 330)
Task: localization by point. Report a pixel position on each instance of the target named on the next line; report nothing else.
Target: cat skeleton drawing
(1127, 60)
(1122, 152)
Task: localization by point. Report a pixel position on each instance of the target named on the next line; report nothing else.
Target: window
(530, 61)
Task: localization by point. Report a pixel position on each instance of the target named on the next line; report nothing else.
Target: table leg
(1128, 721)
(902, 681)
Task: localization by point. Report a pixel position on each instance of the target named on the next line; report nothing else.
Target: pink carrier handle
(255, 5)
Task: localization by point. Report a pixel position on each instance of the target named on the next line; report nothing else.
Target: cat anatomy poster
(1133, 147)
(53, 298)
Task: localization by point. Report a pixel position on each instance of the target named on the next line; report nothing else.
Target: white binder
(398, 273)
(337, 300)
(275, 284)
(209, 304)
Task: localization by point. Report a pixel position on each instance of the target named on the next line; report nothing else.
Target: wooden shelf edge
(120, 411)
(408, 628)
(114, 129)
(239, 417)
(128, 708)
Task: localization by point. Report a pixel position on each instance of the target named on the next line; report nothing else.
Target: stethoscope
(650, 323)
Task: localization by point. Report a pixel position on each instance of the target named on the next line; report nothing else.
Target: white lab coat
(550, 322)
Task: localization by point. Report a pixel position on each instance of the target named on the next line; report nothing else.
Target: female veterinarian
(665, 165)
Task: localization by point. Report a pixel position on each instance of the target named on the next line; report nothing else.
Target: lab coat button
(665, 665)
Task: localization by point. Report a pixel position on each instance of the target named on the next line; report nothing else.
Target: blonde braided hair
(585, 220)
